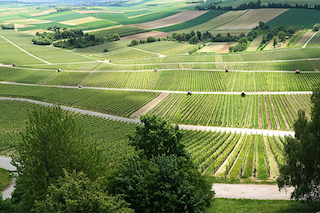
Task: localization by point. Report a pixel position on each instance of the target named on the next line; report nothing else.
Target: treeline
(7, 26)
(70, 39)
(255, 5)
(278, 33)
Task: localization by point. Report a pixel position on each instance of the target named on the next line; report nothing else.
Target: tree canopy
(156, 137)
(75, 192)
(162, 178)
(51, 142)
(302, 155)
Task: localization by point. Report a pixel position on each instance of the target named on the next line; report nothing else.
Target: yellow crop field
(78, 21)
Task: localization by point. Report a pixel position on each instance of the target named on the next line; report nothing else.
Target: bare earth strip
(304, 38)
(45, 12)
(154, 34)
(225, 48)
(170, 20)
(251, 191)
(146, 108)
(251, 19)
(80, 21)
(212, 47)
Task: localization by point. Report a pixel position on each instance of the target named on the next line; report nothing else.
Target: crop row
(119, 103)
(170, 80)
(253, 111)
(211, 151)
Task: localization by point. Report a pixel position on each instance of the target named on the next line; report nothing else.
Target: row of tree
(58, 171)
(255, 5)
(70, 38)
(7, 26)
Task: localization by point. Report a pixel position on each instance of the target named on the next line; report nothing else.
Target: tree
(51, 142)
(301, 168)
(275, 41)
(134, 42)
(194, 40)
(116, 37)
(156, 137)
(161, 178)
(165, 183)
(291, 30)
(282, 36)
(316, 27)
(151, 39)
(75, 192)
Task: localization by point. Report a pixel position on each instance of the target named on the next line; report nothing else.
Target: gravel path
(5, 164)
(164, 91)
(24, 50)
(251, 191)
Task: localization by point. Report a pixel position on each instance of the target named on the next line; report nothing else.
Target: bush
(105, 50)
(151, 39)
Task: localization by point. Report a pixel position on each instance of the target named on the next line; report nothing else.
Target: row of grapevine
(170, 80)
(240, 154)
(252, 111)
(112, 102)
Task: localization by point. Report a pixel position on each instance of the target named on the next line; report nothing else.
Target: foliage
(75, 192)
(70, 38)
(302, 163)
(157, 137)
(163, 184)
(316, 27)
(121, 31)
(5, 178)
(162, 178)
(7, 26)
(151, 39)
(52, 141)
(282, 36)
(7, 206)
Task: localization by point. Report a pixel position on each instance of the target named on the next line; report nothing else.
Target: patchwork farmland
(118, 78)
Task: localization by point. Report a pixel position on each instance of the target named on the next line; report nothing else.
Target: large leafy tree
(74, 192)
(162, 178)
(156, 137)
(51, 142)
(302, 155)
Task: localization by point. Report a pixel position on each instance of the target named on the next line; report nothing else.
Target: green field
(194, 22)
(61, 16)
(253, 111)
(121, 18)
(121, 31)
(307, 18)
(315, 41)
(95, 25)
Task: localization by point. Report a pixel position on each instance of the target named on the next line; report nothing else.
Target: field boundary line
(304, 46)
(181, 126)
(24, 50)
(163, 91)
(147, 51)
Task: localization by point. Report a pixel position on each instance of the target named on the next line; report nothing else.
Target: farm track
(25, 50)
(184, 127)
(164, 91)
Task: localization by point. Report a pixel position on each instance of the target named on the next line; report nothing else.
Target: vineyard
(179, 80)
(216, 153)
(253, 111)
(112, 102)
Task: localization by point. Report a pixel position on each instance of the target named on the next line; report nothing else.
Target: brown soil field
(304, 38)
(225, 48)
(155, 34)
(251, 19)
(170, 20)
